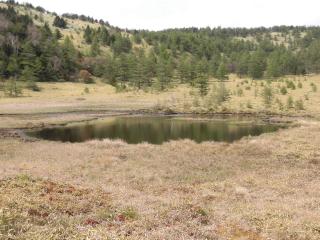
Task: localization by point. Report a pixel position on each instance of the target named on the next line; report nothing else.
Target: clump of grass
(298, 105)
(256, 92)
(201, 212)
(290, 103)
(239, 92)
(249, 105)
(313, 87)
(283, 90)
(280, 104)
(290, 84)
(106, 215)
(86, 90)
(241, 106)
(9, 226)
(129, 213)
(12, 88)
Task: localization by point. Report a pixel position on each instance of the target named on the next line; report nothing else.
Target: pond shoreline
(20, 132)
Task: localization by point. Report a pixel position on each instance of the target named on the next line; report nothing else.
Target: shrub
(300, 85)
(86, 90)
(283, 90)
(12, 88)
(298, 105)
(240, 92)
(290, 84)
(267, 95)
(31, 85)
(280, 104)
(289, 102)
(313, 87)
(220, 94)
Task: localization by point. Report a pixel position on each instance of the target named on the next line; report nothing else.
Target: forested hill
(37, 45)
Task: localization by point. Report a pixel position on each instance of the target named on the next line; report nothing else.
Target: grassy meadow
(264, 187)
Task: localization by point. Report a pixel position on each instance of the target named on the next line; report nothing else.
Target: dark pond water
(157, 130)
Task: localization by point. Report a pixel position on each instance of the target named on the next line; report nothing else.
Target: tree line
(141, 59)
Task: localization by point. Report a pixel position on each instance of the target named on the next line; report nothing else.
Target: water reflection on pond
(157, 130)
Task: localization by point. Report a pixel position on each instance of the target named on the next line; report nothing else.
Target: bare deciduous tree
(33, 34)
(4, 23)
(13, 41)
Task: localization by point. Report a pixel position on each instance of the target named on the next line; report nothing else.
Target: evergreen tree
(202, 76)
(164, 73)
(29, 77)
(121, 45)
(184, 69)
(243, 65)
(13, 66)
(95, 48)
(69, 58)
(122, 74)
(256, 65)
(58, 35)
(59, 22)
(88, 35)
(104, 36)
(28, 55)
(222, 71)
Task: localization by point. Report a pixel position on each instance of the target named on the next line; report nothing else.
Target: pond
(157, 130)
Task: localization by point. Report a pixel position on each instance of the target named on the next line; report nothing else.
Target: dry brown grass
(264, 187)
(62, 97)
(41, 209)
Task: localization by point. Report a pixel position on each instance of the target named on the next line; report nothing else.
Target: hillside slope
(38, 45)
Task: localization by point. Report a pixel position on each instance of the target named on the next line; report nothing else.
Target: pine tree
(122, 68)
(88, 35)
(243, 65)
(95, 48)
(104, 36)
(222, 71)
(202, 77)
(69, 55)
(59, 22)
(29, 77)
(13, 66)
(28, 55)
(164, 72)
(58, 35)
(184, 69)
(121, 45)
(256, 65)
